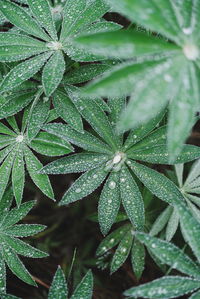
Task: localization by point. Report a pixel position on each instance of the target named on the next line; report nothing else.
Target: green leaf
(37, 116)
(94, 116)
(24, 230)
(84, 140)
(165, 287)
(13, 123)
(122, 251)
(5, 130)
(182, 111)
(16, 266)
(58, 289)
(50, 145)
(160, 154)
(153, 92)
(22, 248)
(138, 258)
(6, 202)
(195, 296)
(21, 19)
(132, 199)
(84, 289)
(84, 185)
(109, 203)
(179, 173)
(75, 163)
(67, 111)
(5, 170)
(124, 44)
(172, 225)
(41, 180)
(112, 239)
(18, 176)
(78, 15)
(144, 130)
(157, 183)
(53, 73)
(154, 15)
(190, 228)
(42, 12)
(14, 47)
(23, 71)
(16, 104)
(85, 73)
(3, 274)
(17, 214)
(169, 254)
(157, 137)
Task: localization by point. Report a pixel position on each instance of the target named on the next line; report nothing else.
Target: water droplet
(191, 51)
(112, 185)
(78, 190)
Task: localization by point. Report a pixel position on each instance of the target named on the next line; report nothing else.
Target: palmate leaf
(10, 245)
(170, 254)
(168, 286)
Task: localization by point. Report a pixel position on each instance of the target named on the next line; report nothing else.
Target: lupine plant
(112, 89)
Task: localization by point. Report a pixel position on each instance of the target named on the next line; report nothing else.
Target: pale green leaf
(170, 254)
(165, 287)
(172, 225)
(161, 221)
(5, 171)
(124, 44)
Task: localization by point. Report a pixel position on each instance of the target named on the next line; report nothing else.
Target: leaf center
(54, 46)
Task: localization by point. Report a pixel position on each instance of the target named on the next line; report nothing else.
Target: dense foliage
(112, 88)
